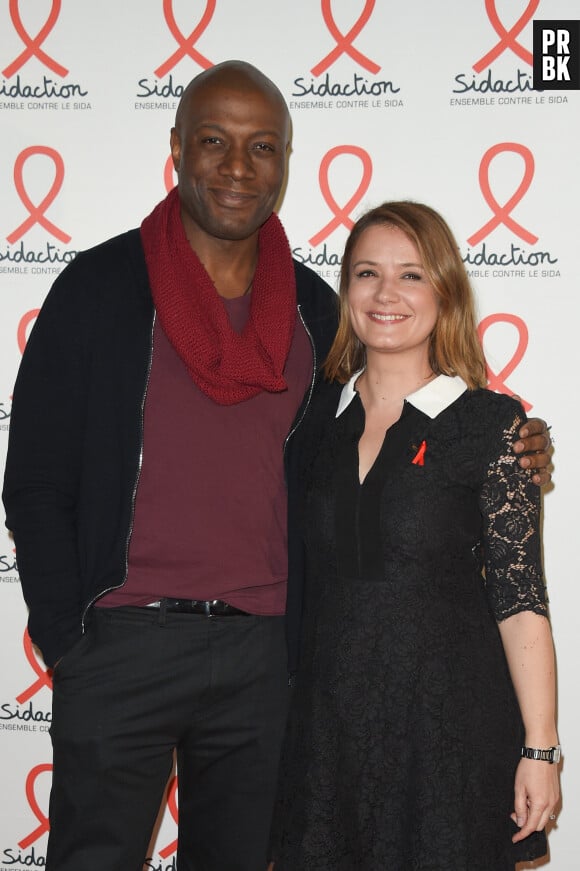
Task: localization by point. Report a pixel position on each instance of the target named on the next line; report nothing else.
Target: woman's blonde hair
(454, 347)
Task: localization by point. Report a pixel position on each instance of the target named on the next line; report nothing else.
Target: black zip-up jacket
(76, 431)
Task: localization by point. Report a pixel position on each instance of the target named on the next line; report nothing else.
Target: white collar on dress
(431, 399)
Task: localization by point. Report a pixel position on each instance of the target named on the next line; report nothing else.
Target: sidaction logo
(17, 91)
(169, 175)
(16, 257)
(5, 412)
(8, 564)
(482, 86)
(321, 89)
(163, 92)
(324, 261)
(25, 324)
(496, 381)
(518, 261)
(28, 853)
(25, 714)
(166, 855)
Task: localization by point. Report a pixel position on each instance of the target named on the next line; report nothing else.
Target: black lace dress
(405, 731)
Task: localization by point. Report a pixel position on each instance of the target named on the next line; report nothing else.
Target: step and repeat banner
(431, 100)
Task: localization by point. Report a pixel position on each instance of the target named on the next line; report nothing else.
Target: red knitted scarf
(228, 367)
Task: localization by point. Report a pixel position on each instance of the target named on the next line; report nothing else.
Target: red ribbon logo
(186, 43)
(168, 176)
(507, 38)
(44, 676)
(30, 795)
(172, 805)
(33, 44)
(497, 382)
(341, 215)
(22, 331)
(344, 42)
(37, 213)
(502, 214)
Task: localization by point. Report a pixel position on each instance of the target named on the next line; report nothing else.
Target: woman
(427, 662)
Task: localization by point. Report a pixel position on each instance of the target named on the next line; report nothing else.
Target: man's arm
(42, 470)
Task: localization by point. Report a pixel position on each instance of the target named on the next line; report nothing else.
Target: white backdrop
(428, 99)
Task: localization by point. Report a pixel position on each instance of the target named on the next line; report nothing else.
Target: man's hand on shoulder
(534, 444)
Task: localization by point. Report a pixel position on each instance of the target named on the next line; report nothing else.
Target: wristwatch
(551, 755)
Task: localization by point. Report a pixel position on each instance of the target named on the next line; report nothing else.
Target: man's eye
(263, 146)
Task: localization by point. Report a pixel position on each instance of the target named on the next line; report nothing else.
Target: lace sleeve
(510, 505)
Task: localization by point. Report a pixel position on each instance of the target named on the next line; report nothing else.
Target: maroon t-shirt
(210, 511)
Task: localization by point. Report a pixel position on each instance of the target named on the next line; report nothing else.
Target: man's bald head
(230, 147)
(231, 75)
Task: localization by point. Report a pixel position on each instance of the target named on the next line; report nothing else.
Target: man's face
(229, 151)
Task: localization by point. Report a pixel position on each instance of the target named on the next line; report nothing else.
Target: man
(145, 456)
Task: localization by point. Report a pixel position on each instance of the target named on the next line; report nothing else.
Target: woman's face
(392, 304)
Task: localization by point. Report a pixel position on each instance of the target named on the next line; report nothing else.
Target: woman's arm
(510, 505)
(527, 641)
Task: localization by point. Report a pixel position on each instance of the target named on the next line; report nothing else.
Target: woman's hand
(536, 794)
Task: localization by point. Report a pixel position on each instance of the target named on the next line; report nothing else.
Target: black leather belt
(211, 608)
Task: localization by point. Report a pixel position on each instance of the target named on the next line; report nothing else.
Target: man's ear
(175, 143)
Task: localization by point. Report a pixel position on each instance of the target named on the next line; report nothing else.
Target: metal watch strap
(551, 755)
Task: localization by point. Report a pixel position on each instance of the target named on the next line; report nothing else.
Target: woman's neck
(390, 379)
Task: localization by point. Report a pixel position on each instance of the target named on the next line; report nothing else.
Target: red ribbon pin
(419, 458)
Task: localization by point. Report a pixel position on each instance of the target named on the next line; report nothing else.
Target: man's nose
(236, 162)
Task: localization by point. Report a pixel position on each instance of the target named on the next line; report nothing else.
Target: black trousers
(140, 684)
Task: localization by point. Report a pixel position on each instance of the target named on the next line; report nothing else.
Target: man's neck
(230, 264)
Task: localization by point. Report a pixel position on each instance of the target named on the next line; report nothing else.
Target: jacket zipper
(135, 484)
(314, 367)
